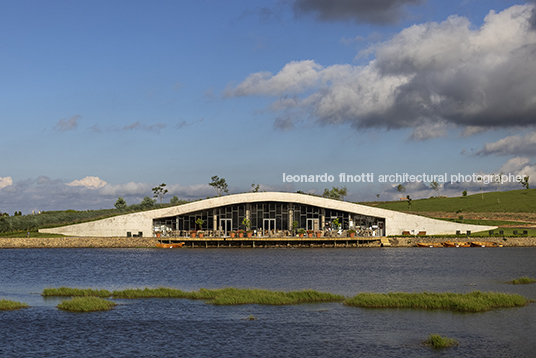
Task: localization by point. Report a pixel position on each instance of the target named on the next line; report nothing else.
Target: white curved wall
(395, 222)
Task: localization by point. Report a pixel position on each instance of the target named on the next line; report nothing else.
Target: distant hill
(514, 201)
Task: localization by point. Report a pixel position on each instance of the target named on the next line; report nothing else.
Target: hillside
(514, 201)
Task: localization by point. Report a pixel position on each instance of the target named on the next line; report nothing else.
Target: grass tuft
(523, 280)
(75, 292)
(86, 304)
(475, 301)
(232, 296)
(438, 342)
(7, 305)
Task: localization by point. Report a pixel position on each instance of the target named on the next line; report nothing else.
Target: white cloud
(7, 181)
(88, 182)
(512, 145)
(428, 74)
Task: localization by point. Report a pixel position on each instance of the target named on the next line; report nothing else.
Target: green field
(514, 201)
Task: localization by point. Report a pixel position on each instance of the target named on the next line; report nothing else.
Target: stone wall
(141, 242)
(410, 241)
(59, 242)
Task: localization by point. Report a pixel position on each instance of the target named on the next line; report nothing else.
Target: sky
(108, 99)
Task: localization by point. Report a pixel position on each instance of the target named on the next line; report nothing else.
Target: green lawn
(514, 201)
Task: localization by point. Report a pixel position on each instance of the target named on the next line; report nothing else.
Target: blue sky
(103, 99)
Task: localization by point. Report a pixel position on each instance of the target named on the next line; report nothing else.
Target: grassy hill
(514, 201)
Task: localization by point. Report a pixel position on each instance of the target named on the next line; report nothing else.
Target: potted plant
(351, 232)
(301, 232)
(158, 233)
(310, 233)
(199, 222)
(232, 233)
(294, 226)
(318, 233)
(240, 233)
(249, 233)
(201, 233)
(192, 233)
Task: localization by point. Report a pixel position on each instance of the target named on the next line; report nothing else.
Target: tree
(378, 197)
(498, 178)
(409, 202)
(401, 189)
(525, 182)
(147, 203)
(255, 188)
(464, 193)
(120, 203)
(159, 191)
(335, 193)
(434, 185)
(174, 200)
(219, 185)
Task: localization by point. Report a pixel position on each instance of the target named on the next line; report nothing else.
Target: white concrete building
(267, 212)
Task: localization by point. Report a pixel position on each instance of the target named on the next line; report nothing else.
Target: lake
(194, 328)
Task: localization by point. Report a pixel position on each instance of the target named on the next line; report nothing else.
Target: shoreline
(150, 242)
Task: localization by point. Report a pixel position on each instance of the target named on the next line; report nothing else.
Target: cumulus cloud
(375, 11)
(512, 145)
(89, 182)
(7, 181)
(428, 75)
(67, 124)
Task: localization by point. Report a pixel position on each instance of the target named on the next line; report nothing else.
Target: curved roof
(395, 222)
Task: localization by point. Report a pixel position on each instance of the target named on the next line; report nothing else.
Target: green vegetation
(523, 280)
(6, 305)
(75, 292)
(18, 226)
(161, 292)
(86, 304)
(514, 201)
(467, 302)
(233, 296)
(438, 342)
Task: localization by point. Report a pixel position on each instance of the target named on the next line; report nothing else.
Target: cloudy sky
(102, 99)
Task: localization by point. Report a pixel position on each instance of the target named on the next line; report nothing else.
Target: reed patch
(523, 280)
(75, 292)
(438, 342)
(8, 305)
(475, 301)
(86, 304)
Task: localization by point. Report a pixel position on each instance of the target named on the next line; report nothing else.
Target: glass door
(226, 225)
(312, 224)
(268, 227)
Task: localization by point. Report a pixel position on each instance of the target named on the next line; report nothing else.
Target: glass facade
(269, 216)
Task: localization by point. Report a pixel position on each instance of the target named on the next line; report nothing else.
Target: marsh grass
(233, 296)
(438, 342)
(7, 305)
(475, 301)
(75, 292)
(86, 304)
(523, 280)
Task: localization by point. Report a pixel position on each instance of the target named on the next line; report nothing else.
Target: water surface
(180, 327)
